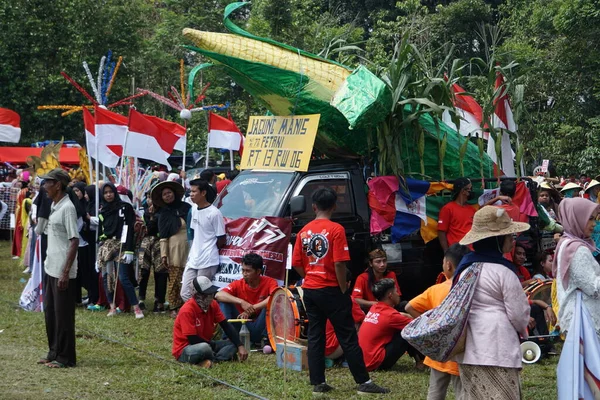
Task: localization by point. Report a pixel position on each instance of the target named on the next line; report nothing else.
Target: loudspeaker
(530, 352)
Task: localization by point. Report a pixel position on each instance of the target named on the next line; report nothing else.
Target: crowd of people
(176, 234)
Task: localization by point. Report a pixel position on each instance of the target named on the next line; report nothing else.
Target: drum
(540, 290)
(286, 303)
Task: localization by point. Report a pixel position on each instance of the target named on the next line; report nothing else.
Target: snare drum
(540, 290)
(281, 302)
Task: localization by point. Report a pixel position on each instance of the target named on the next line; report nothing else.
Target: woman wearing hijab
(84, 242)
(90, 277)
(172, 231)
(491, 363)
(117, 219)
(574, 266)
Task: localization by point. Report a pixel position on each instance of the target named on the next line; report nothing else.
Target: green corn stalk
(442, 154)
(462, 153)
(519, 158)
(480, 145)
(421, 149)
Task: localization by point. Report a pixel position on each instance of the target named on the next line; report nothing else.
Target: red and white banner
(469, 111)
(223, 133)
(149, 140)
(172, 127)
(503, 121)
(110, 130)
(105, 155)
(10, 126)
(268, 237)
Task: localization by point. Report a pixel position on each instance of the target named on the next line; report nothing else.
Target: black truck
(258, 193)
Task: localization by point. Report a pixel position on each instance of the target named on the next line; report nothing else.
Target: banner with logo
(268, 237)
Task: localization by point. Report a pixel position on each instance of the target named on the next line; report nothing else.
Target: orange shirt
(427, 300)
(319, 245)
(242, 290)
(362, 290)
(456, 221)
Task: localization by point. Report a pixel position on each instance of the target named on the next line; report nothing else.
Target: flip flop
(55, 364)
(43, 361)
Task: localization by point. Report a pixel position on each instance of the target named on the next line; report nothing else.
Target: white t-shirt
(62, 227)
(208, 224)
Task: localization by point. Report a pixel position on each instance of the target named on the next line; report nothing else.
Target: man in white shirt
(208, 228)
(61, 273)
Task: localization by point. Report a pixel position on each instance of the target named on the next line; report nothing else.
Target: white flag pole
(231, 158)
(184, 148)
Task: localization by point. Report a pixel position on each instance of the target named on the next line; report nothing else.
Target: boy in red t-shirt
(380, 335)
(362, 292)
(195, 325)
(247, 298)
(320, 256)
(455, 218)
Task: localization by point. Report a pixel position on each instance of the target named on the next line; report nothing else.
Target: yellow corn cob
(328, 75)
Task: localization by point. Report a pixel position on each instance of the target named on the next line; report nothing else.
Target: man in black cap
(195, 325)
(61, 272)
(456, 217)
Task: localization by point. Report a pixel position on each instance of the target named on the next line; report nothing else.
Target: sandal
(55, 364)
(43, 361)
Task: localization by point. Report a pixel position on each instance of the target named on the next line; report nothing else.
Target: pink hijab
(574, 215)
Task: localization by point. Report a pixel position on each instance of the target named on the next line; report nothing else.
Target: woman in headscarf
(172, 231)
(91, 277)
(84, 242)
(574, 266)
(117, 220)
(149, 258)
(491, 363)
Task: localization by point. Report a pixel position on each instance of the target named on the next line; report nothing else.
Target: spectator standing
(456, 217)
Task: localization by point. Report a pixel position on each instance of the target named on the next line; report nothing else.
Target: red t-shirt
(319, 245)
(379, 327)
(331, 340)
(192, 320)
(523, 274)
(362, 290)
(222, 184)
(456, 221)
(242, 290)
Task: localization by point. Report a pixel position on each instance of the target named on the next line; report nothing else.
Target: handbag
(441, 333)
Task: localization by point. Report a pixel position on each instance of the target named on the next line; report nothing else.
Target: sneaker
(85, 301)
(371, 388)
(321, 388)
(112, 312)
(345, 364)
(139, 314)
(142, 305)
(27, 270)
(205, 363)
(328, 362)
(96, 307)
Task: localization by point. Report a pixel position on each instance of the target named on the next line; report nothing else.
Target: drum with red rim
(286, 316)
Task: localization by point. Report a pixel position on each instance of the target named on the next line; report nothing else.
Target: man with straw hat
(491, 363)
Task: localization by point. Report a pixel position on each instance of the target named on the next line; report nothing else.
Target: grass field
(125, 358)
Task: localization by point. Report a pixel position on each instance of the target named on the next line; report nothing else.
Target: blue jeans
(221, 350)
(125, 284)
(257, 328)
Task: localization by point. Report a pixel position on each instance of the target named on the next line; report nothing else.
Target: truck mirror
(297, 205)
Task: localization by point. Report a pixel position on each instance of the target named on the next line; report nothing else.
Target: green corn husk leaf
(421, 148)
(519, 157)
(480, 145)
(461, 154)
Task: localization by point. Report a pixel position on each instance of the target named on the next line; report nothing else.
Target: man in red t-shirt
(455, 218)
(377, 271)
(247, 298)
(195, 325)
(380, 334)
(320, 256)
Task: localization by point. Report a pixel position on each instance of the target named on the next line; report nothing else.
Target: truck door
(345, 213)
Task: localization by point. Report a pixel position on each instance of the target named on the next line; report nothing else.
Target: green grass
(125, 358)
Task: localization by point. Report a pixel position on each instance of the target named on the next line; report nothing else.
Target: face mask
(203, 301)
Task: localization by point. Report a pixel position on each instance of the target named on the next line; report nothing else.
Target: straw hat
(591, 184)
(492, 221)
(570, 186)
(158, 189)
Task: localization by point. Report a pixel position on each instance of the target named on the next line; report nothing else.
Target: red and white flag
(149, 140)
(223, 133)
(469, 111)
(503, 120)
(10, 126)
(110, 134)
(104, 154)
(172, 127)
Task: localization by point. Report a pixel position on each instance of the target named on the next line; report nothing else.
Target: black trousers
(59, 312)
(541, 326)
(160, 285)
(331, 304)
(394, 350)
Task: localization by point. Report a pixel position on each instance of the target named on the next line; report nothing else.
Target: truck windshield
(254, 194)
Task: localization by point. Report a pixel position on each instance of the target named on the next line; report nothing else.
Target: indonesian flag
(148, 139)
(224, 134)
(104, 155)
(110, 135)
(172, 127)
(10, 128)
(503, 119)
(469, 111)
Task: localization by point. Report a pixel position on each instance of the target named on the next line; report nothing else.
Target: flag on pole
(110, 129)
(469, 111)
(223, 133)
(149, 140)
(503, 120)
(105, 155)
(172, 127)
(10, 126)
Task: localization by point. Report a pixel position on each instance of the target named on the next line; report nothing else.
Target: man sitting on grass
(247, 298)
(195, 325)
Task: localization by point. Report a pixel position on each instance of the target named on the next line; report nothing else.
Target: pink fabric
(574, 215)
(382, 196)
